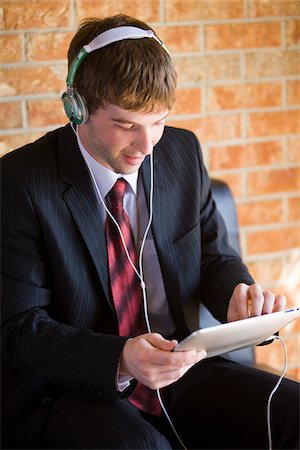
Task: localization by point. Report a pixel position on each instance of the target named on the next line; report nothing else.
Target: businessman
(110, 241)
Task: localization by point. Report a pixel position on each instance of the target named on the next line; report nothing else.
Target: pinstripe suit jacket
(60, 328)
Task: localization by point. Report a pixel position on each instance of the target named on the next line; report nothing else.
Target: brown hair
(134, 74)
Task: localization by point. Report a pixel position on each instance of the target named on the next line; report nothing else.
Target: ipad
(232, 336)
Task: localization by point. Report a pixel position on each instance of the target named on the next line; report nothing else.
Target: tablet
(232, 336)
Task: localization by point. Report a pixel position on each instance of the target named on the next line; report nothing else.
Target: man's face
(119, 139)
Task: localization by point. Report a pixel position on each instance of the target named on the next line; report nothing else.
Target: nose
(144, 142)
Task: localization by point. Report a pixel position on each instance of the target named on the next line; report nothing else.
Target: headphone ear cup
(75, 108)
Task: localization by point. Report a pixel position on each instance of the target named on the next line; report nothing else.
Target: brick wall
(239, 90)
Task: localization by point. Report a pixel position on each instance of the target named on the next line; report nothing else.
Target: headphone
(74, 104)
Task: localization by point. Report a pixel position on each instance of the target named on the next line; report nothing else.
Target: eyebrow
(120, 120)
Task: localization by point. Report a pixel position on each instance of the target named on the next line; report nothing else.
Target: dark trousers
(218, 404)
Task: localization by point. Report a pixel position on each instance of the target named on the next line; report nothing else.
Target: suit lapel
(82, 202)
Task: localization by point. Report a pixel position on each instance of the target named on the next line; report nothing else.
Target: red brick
(266, 241)
(293, 32)
(294, 208)
(11, 48)
(146, 11)
(246, 95)
(48, 46)
(10, 115)
(249, 155)
(10, 142)
(294, 150)
(272, 63)
(188, 124)
(260, 212)
(243, 35)
(28, 14)
(293, 92)
(212, 128)
(273, 181)
(44, 113)
(265, 8)
(274, 123)
(208, 67)
(180, 38)
(234, 181)
(203, 9)
(266, 271)
(32, 80)
(188, 101)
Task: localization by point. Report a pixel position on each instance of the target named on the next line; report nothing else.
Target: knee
(86, 423)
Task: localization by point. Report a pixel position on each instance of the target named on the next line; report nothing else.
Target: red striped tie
(125, 286)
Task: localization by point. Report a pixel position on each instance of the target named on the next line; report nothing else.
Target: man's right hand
(149, 359)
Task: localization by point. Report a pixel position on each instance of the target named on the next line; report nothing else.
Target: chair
(226, 206)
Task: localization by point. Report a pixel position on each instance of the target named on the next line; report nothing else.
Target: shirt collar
(106, 178)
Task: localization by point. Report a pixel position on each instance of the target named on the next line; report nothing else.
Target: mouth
(134, 160)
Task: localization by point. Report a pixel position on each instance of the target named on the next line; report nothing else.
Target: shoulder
(179, 144)
(178, 136)
(178, 155)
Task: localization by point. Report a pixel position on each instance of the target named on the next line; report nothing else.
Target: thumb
(158, 341)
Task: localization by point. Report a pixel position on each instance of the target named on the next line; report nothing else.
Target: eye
(126, 127)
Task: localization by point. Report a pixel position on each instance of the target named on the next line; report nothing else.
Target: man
(82, 359)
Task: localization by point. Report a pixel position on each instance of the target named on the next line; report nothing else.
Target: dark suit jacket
(60, 327)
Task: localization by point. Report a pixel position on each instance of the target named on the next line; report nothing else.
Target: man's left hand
(249, 301)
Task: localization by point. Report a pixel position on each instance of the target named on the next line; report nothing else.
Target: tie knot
(117, 192)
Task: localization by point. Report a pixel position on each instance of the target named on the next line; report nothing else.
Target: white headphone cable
(141, 273)
(275, 389)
